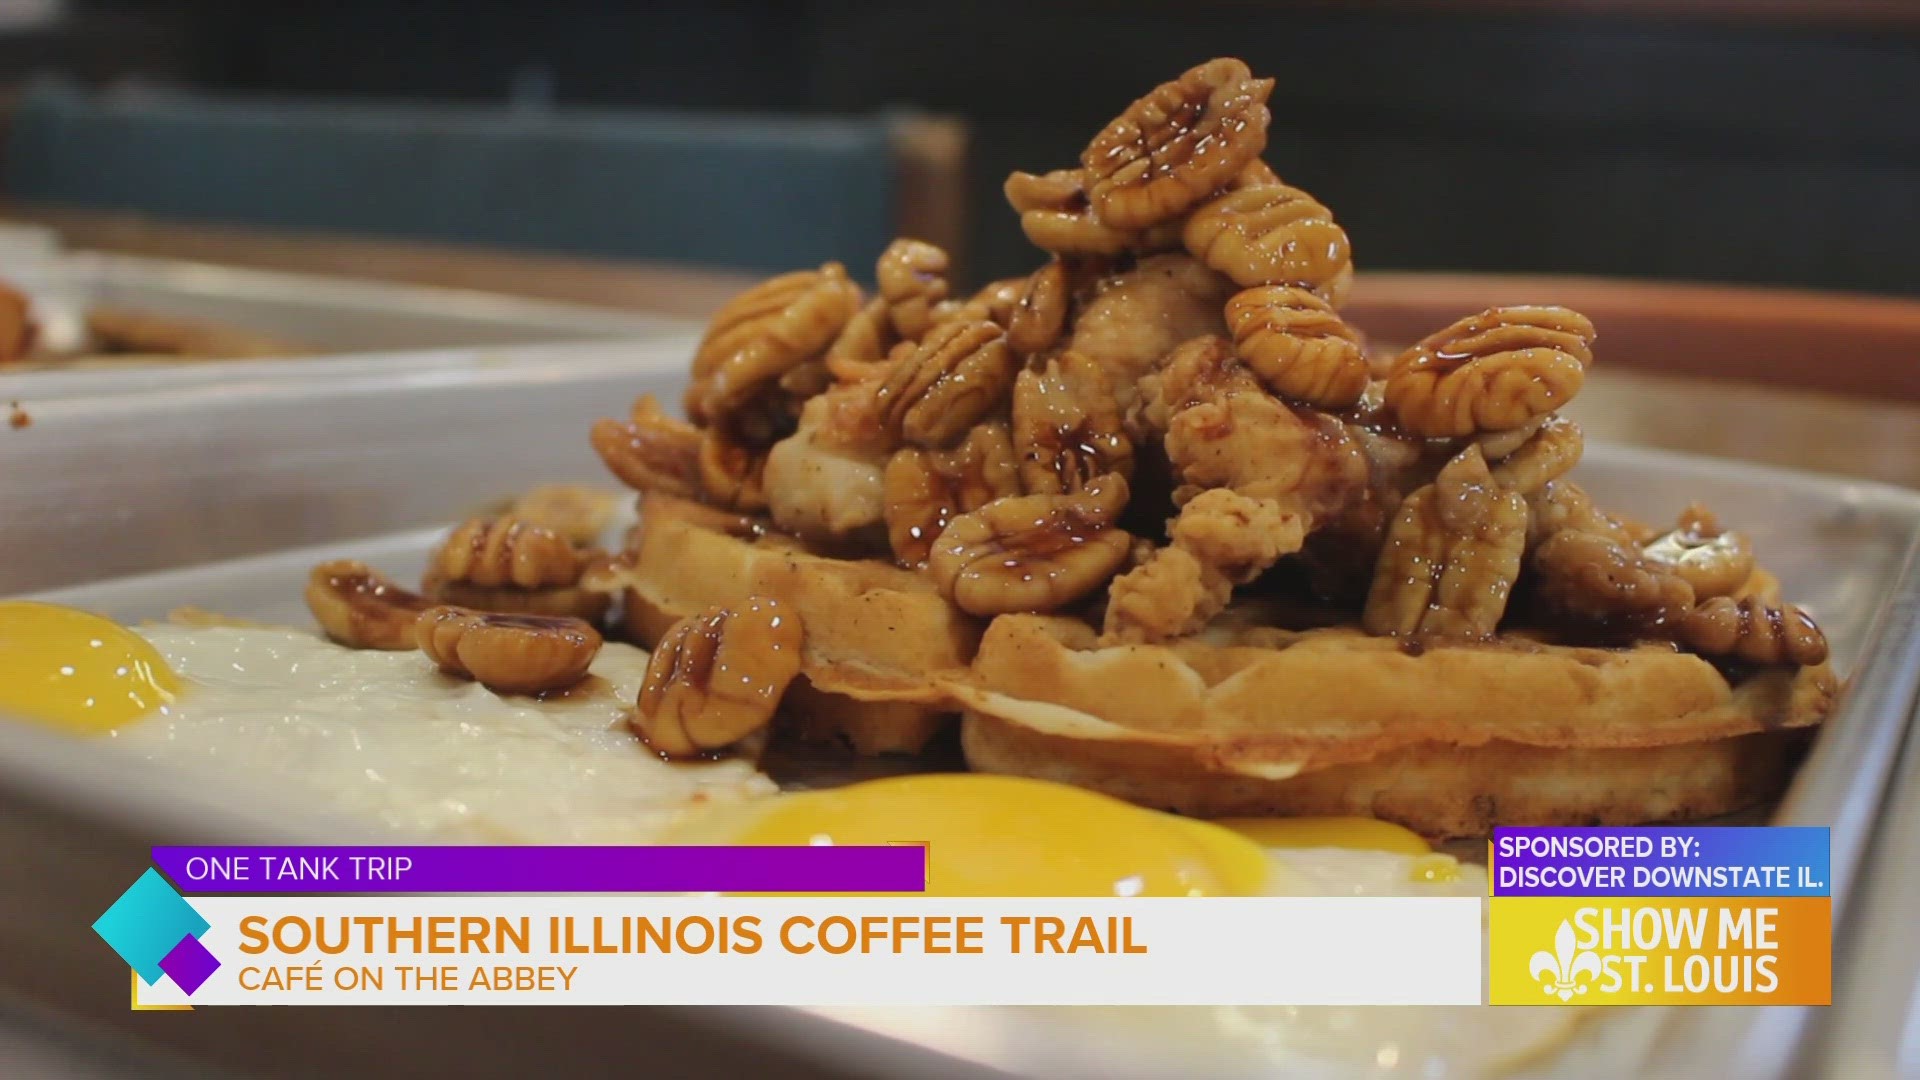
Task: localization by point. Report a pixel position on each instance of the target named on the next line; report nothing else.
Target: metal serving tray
(293, 453)
(76, 823)
(1876, 965)
(335, 316)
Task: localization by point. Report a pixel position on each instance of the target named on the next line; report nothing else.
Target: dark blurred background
(1761, 142)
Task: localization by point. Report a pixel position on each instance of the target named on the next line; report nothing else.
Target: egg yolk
(1006, 836)
(1361, 833)
(77, 671)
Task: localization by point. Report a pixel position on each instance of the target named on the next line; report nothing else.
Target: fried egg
(386, 736)
(380, 734)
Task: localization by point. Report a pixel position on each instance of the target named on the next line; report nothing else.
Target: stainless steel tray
(1877, 964)
(335, 316)
(277, 456)
(1846, 549)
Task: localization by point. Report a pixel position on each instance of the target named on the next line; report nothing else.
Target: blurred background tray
(324, 317)
(209, 469)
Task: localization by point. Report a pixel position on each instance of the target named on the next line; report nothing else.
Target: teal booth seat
(752, 193)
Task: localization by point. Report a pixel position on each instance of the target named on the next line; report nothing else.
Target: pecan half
(1491, 372)
(860, 352)
(959, 374)
(994, 302)
(732, 475)
(1179, 144)
(361, 609)
(1298, 345)
(508, 654)
(763, 333)
(1451, 557)
(1604, 580)
(1549, 453)
(650, 451)
(1752, 630)
(507, 551)
(717, 677)
(1032, 552)
(927, 489)
(913, 278)
(1068, 426)
(1057, 216)
(504, 565)
(1039, 317)
(1713, 561)
(1272, 234)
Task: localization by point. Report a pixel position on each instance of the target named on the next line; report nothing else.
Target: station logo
(1710, 916)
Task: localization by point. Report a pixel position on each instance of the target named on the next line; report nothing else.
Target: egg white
(385, 735)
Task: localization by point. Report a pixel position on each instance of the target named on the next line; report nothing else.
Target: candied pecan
(1179, 144)
(1032, 552)
(1606, 581)
(1068, 426)
(508, 566)
(767, 331)
(1713, 561)
(506, 551)
(1040, 316)
(360, 609)
(717, 677)
(1057, 216)
(576, 601)
(913, 278)
(732, 475)
(1564, 505)
(1451, 556)
(1491, 372)
(860, 352)
(1273, 234)
(960, 373)
(651, 451)
(508, 654)
(1752, 630)
(1549, 453)
(994, 302)
(1257, 174)
(1762, 586)
(1298, 345)
(927, 489)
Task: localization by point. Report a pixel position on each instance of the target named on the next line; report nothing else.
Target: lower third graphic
(158, 933)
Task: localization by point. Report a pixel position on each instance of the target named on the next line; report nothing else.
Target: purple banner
(434, 869)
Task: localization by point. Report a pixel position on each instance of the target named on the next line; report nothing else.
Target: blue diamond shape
(147, 922)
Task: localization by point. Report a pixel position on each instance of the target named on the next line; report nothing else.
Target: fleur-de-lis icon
(1560, 972)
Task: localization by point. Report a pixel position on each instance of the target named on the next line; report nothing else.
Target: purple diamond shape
(189, 964)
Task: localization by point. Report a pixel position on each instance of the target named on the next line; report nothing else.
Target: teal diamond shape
(145, 924)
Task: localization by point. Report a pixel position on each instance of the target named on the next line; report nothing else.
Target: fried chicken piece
(1255, 477)
(1134, 319)
(821, 482)
(1170, 594)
